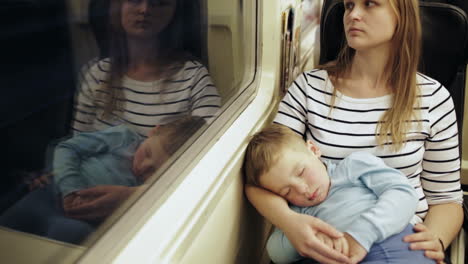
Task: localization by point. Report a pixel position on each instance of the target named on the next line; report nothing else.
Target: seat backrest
(444, 42)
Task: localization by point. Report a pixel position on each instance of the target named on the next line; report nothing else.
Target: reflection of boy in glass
(361, 196)
(115, 159)
(114, 156)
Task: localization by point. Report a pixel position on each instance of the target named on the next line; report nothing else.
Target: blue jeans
(40, 213)
(394, 250)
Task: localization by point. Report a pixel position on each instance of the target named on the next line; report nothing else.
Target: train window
(107, 103)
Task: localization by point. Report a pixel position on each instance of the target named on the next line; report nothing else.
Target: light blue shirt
(96, 158)
(367, 199)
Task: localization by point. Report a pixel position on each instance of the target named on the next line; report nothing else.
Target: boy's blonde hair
(178, 132)
(264, 149)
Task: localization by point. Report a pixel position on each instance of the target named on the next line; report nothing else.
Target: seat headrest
(444, 37)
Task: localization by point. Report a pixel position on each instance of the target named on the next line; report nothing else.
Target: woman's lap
(393, 250)
(39, 213)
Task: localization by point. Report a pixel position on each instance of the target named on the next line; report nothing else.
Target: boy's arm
(396, 204)
(69, 154)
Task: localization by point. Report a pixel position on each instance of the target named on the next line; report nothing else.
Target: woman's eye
(370, 3)
(349, 5)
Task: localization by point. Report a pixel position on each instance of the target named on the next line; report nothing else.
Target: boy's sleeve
(396, 204)
(69, 154)
(279, 247)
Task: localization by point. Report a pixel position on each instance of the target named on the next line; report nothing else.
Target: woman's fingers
(436, 255)
(325, 228)
(323, 253)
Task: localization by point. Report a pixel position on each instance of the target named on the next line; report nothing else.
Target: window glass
(100, 98)
(310, 34)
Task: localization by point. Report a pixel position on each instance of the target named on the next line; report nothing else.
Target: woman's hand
(96, 203)
(339, 244)
(423, 239)
(306, 234)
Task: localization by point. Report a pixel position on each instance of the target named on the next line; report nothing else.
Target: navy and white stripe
(145, 104)
(430, 158)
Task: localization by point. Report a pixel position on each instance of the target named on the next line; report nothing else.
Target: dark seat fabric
(37, 85)
(444, 42)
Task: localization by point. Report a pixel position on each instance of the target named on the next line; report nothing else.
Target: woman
(372, 99)
(149, 78)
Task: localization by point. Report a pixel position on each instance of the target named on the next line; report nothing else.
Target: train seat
(444, 55)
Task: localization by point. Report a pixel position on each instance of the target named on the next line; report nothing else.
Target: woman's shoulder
(97, 66)
(317, 79)
(430, 87)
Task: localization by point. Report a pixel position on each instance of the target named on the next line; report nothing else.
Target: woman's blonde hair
(400, 72)
(171, 45)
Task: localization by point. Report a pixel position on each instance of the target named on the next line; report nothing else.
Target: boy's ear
(313, 148)
(153, 131)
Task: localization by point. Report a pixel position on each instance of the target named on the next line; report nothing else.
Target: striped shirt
(145, 104)
(430, 157)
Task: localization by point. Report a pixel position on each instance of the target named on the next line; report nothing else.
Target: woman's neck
(367, 75)
(142, 52)
(142, 64)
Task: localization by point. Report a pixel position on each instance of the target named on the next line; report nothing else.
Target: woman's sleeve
(85, 106)
(440, 178)
(292, 111)
(205, 98)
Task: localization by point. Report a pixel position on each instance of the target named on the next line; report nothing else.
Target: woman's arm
(440, 180)
(300, 229)
(445, 221)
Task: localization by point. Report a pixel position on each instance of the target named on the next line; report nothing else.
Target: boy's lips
(314, 195)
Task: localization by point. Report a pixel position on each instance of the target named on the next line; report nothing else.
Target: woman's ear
(153, 131)
(313, 148)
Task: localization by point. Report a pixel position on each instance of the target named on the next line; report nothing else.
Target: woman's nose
(355, 13)
(144, 6)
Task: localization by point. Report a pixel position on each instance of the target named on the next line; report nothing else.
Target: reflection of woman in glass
(148, 78)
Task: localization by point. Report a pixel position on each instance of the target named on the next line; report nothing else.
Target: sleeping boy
(360, 196)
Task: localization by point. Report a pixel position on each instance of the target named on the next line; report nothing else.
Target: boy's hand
(356, 251)
(339, 244)
(96, 203)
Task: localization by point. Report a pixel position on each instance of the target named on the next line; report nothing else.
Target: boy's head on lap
(278, 159)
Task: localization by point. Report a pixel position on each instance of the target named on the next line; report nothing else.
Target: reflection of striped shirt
(430, 158)
(146, 104)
